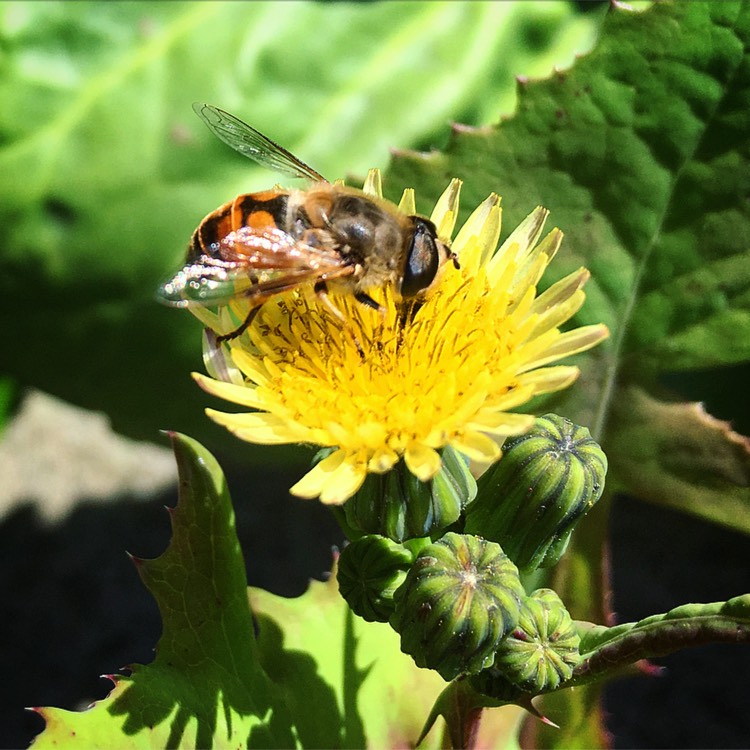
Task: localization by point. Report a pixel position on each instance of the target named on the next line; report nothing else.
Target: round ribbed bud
(530, 501)
(400, 506)
(370, 569)
(539, 655)
(459, 600)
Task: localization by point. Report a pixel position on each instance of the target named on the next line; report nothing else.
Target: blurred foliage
(106, 171)
(7, 395)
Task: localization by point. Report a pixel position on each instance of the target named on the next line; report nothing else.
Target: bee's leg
(237, 331)
(213, 352)
(366, 299)
(321, 290)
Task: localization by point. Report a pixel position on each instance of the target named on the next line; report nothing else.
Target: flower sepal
(369, 570)
(399, 506)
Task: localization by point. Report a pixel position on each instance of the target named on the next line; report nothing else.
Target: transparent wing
(249, 142)
(252, 264)
(204, 284)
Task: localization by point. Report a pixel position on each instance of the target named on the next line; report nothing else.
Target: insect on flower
(263, 244)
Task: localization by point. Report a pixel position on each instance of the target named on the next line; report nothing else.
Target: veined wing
(253, 144)
(253, 264)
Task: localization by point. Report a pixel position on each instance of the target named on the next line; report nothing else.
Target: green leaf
(336, 671)
(677, 455)
(206, 686)
(106, 170)
(608, 651)
(641, 153)
(347, 681)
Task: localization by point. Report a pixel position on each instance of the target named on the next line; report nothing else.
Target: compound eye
(422, 259)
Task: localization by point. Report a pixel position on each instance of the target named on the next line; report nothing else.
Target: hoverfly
(259, 245)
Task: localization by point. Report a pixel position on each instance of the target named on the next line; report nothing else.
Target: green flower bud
(530, 501)
(460, 598)
(540, 653)
(399, 506)
(370, 569)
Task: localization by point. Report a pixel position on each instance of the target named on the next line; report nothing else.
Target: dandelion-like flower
(450, 374)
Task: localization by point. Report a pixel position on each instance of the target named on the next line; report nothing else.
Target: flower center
(424, 371)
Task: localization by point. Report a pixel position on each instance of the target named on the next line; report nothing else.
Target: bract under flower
(481, 345)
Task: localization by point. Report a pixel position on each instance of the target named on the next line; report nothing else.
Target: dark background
(75, 608)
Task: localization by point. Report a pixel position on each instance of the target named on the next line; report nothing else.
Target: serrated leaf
(106, 170)
(681, 457)
(641, 151)
(206, 687)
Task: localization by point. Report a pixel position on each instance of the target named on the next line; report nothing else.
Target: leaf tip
(527, 704)
(649, 669)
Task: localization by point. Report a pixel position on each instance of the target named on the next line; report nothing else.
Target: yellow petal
(344, 481)
(528, 274)
(549, 379)
(384, 459)
(556, 316)
(372, 434)
(311, 485)
(446, 210)
(521, 240)
(520, 394)
(567, 344)
(237, 394)
(261, 427)
(422, 461)
(502, 424)
(218, 361)
(560, 291)
(373, 184)
(477, 238)
(551, 243)
(408, 204)
(250, 366)
(477, 446)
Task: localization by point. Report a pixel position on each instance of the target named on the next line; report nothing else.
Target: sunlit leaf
(206, 687)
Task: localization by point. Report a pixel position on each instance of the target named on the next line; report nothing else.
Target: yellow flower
(481, 345)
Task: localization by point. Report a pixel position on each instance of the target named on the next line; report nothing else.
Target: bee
(331, 236)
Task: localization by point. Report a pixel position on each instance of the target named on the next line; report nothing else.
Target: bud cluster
(441, 566)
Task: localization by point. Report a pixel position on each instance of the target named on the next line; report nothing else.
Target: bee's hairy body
(331, 236)
(367, 233)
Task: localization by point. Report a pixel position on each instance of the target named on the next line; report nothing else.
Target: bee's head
(425, 256)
